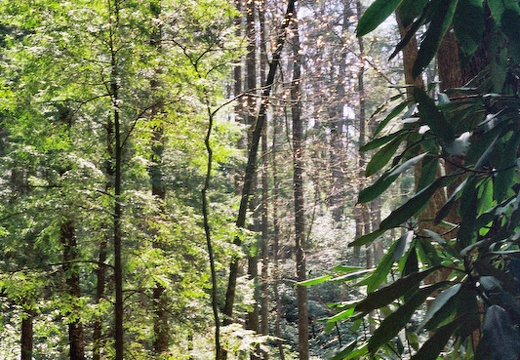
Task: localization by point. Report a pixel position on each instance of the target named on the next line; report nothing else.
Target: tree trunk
(27, 336)
(299, 206)
(160, 299)
(276, 244)
(264, 294)
(70, 270)
(118, 209)
(252, 159)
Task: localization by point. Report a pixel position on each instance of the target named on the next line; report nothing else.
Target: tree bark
(252, 158)
(252, 322)
(27, 336)
(264, 279)
(159, 295)
(118, 209)
(276, 243)
(299, 206)
(72, 284)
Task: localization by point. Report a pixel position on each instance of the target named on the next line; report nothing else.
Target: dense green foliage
(466, 255)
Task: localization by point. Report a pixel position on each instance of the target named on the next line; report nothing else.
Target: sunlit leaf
(376, 13)
(386, 295)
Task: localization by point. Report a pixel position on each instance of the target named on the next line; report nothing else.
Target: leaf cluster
(466, 256)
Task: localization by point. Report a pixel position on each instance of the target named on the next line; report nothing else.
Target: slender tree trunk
(363, 211)
(72, 283)
(160, 299)
(264, 302)
(251, 70)
(299, 206)
(276, 244)
(27, 336)
(97, 335)
(252, 159)
(118, 209)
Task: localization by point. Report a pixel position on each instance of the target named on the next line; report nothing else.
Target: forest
(259, 179)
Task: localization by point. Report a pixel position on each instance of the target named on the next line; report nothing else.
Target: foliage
(470, 265)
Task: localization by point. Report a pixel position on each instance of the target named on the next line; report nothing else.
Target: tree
(474, 123)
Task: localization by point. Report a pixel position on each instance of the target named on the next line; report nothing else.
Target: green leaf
(429, 169)
(386, 295)
(374, 144)
(402, 245)
(436, 343)
(376, 13)
(373, 191)
(469, 33)
(440, 301)
(433, 117)
(503, 178)
(345, 351)
(446, 208)
(412, 207)
(351, 276)
(314, 281)
(377, 188)
(396, 321)
(342, 315)
(395, 111)
(441, 20)
(381, 272)
(382, 157)
(368, 238)
(410, 9)
(501, 334)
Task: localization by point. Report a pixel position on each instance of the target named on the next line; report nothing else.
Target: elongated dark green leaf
(501, 334)
(429, 169)
(378, 277)
(351, 276)
(381, 184)
(342, 315)
(469, 33)
(395, 111)
(396, 321)
(410, 9)
(368, 238)
(435, 344)
(433, 117)
(506, 171)
(439, 303)
(373, 191)
(374, 144)
(382, 157)
(386, 295)
(402, 245)
(412, 207)
(376, 13)
(347, 269)
(446, 208)
(314, 281)
(345, 351)
(440, 23)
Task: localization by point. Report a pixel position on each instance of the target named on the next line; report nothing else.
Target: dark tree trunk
(118, 208)
(72, 284)
(264, 295)
(251, 70)
(276, 243)
(252, 159)
(299, 206)
(27, 336)
(159, 295)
